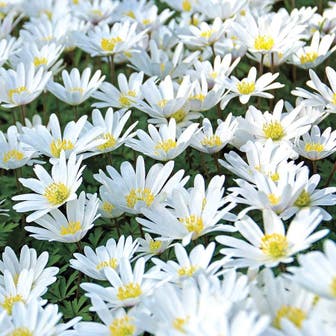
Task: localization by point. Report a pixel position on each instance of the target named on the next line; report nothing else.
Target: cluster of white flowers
(214, 255)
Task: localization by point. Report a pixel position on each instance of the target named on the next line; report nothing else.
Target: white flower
(80, 215)
(272, 245)
(77, 88)
(21, 86)
(50, 191)
(162, 144)
(93, 263)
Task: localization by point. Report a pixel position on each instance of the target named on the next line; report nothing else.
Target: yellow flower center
(122, 327)
(71, 228)
(162, 103)
(155, 245)
(214, 75)
(166, 145)
(187, 271)
(125, 99)
(109, 143)
(333, 287)
(273, 130)
(76, 89)
(112, 263)
(199, 97)
(333, 99)
(179, 115)
(3, 4)
(273, 199)
(211, 141)
(10, 301)
(179, 324)
(18, 90)
(97, 12)
(129, 291)
(56, 193)
(274, 245)
(162, 67)
(293, 314)
(136, 195)
(263, 42)
(21, 332)
(130, 14)
(40, 61)
(109, 44)
(186, 5)
(314, 147)
(193, 223)
(146, 21)
(107, 207)
(275, 176)
(207, 33)
(58, 145)
(245, 88)
(303, 200)
(308, 57)
(13, 155)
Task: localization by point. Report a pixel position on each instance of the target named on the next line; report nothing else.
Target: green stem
(112, 68)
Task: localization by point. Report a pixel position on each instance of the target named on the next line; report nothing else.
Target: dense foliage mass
(167, 168)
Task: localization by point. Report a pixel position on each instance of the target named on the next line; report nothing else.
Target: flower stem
(331, 175)
(112, 68)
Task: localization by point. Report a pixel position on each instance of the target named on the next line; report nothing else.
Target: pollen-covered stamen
(77, 89)
(122, 326)
(139, 194)
(314, 147)
(58, 145)
(12, 155)
(162, 103)
(211, 141)
(109, 44)
(207, 33)
(333, 99)
(333, 287)
(308, 57)
(263, 42)
(274, 245)
(293, 314)
(21, 332)
(186, 5)
(155, 245)
(273, 130)
(126, 100)
(303, 200)
(129, 291)
(18, 90)
(245, 88)
(179, 115)
(187, 271)
(112, 263)
(40, 61)
(109, 143)
(166, 145)
(71, 228)
(107, 207)
(193, 223)
(179, 324)
(273, 199)
(9, 302)
(200, 97)
(56, 193)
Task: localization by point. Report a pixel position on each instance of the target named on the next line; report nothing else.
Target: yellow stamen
(211, 141)
(273, 199)
(179, 324)
(136, 195)
(179, 115)
(207, 33)
(21, 332)
(10, 301)
(18, 90)
(308, 57)
(122, 327)
(187, 271)
(193, 223)
(13, 155)
(303, 200)
(155, 245)
(274, 245)
(186, 5)
(314, 147)
(58, 145)
(333, 99)
(71, 228)
(125, 99)
(40, 61)
(107, 207)
(112, 263)
(293, 314)
(273, 130)
(166, 145)
(275, 177)
(162, 103)
(333, 287)
(56, 193)
(146, 21)
(97, 12)
(130, 14)
(109, 44)
(129, 291)
(200, 97)
(109, 143)
(263, 42)
(245, 88)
